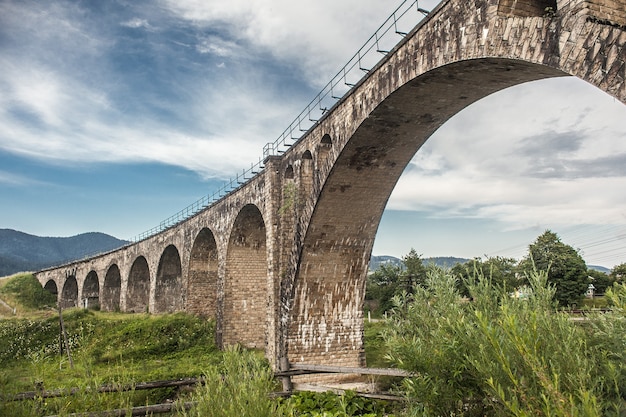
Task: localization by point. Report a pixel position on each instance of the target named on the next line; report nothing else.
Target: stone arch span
(246, 281)
(203, 275)
(69, 294)
(168, 288)
(51, 287)
(463, 51)
(138, 287)
(111, 289)
(326, 323)
(91, 291)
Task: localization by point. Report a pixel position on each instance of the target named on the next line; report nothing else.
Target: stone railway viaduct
(281, 262)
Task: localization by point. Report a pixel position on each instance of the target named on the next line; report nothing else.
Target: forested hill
(443, 261)
(23, 252)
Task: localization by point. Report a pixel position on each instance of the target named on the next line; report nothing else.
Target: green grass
(26, 294)
(375, 348)
(107, 348)
(125, 349)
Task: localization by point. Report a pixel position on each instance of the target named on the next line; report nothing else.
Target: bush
(497, 355)
(240, 387)
(329, 404)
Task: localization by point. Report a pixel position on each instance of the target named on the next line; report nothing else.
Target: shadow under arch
(69, 294)
(91, 291)
(51, 287)
(168, 290)
(246, 280)
(325, 322)
(111, 289)
(138, 287)
(203, 276)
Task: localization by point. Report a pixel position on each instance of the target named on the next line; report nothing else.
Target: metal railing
(399, 23)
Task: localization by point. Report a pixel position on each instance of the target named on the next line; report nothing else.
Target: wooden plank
(306, 368)
(29, 395)
(339, 391)
(135, 411)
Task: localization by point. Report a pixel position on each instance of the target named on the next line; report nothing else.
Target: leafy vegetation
(25, 290)
(329, 404)
(503, 273)
(566, 268)
(499, 355)
(390, 280)
(239, 386)
(107, 348)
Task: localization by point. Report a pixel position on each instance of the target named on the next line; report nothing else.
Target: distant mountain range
(442, 261)
(23, 252)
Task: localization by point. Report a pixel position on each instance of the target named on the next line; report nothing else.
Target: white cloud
(219, 47)
(136, 23)
(316, 36)
(554, 158)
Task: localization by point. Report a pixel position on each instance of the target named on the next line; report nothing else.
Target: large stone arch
(203, 275)
(138, 287)
(111, 289)
(462, 53)
(91, 291)
(246, 281)
(69, 294)
(330, 281)
(168, 289)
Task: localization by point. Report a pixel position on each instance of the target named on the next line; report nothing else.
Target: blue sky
(114, 115)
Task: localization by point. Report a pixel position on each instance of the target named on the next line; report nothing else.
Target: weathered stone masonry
(281, 262)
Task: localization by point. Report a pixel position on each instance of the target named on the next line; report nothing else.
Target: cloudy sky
(114, 115)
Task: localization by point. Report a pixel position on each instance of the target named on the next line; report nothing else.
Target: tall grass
(502, 356)
(108, 348)
(240, 386)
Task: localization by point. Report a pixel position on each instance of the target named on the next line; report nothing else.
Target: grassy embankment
(125, 349)
(106, 348)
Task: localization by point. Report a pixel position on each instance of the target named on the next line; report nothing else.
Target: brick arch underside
(168, 290)
(325, 321)
(112, 289)
(91, 291)
(203, 275)
(246, 280)
(138, 288)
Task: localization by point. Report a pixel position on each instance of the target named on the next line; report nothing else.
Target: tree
(415, 271)
(502, 272)
(390, 280)
(600, 281)
(618, 273)
(567, 270)
(381, 286)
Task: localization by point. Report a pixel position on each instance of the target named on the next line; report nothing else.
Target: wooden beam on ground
(135, 411)
(302, 369)
(339, 391)
(29, 395)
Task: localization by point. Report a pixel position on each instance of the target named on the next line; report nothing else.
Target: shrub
(498, 355)
(240, 387)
